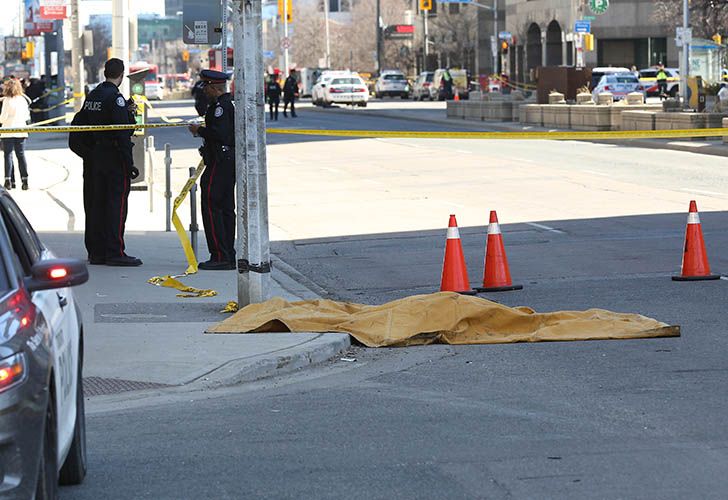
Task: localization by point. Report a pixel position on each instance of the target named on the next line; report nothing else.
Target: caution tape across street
(525, 135)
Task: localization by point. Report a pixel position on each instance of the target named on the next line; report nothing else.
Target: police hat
(212, 76)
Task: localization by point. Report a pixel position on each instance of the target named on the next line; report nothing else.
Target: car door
(60, 313)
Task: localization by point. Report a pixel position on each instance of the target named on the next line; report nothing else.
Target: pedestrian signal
(504, 47)
(186, 55)
(425, 4)
(285, 9)
(717, 39)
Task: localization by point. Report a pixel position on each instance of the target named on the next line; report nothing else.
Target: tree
(454, 33)
(707, 17)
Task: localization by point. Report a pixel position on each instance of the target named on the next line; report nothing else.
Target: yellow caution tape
(159, 114)
(51, 120)
(85, 128)
(231, 307)
(63, 103)
(172, 281)
(552, 136)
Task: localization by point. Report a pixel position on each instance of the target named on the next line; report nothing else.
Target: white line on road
(701, 191)
(724, 278)
(545, 228)
(596, 173)
(462, 151)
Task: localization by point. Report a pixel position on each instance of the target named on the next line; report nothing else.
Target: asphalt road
(607, 419)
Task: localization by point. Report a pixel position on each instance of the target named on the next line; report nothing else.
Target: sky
(87, 8)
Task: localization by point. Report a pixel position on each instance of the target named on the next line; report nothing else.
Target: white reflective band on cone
(453, 233)
(494, 228)
(693, 218)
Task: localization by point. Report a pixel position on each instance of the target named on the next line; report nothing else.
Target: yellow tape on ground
(551, 136)
(172, 281)
(63, 103)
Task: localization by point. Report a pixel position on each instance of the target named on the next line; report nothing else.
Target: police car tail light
(334, 90)
(12, 371)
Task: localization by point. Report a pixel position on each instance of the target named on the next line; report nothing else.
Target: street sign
(683, 36)
(201, 24)
(505, 35)
(588, 18)
(598, 6)
(399, 31)
(582, 26)
(285, 43)
(268, 54)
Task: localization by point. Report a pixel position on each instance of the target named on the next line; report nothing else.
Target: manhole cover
(99, 386)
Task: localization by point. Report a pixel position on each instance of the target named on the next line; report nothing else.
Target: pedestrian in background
(218, 181)
(662, 82)
(273, 94)
(723, 98)
(15, 113)
(290, 92)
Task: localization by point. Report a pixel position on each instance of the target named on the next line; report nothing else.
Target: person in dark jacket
(290, 92)
(112, 163)
(273, 95)
(218, 180)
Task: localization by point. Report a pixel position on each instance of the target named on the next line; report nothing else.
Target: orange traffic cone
(695, 264)
(496, 275)
(457, 96)
(454, 271)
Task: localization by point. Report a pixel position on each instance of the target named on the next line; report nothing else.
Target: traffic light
(186, 55)
(504, 47)
(28, 51)
(717, 39)
(287, 8)
(425, 4)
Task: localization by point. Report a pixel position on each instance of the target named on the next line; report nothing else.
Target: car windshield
(429, 77)
(346, 81)
(394, 77)
(626, 79)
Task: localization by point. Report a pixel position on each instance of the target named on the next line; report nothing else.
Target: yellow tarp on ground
(445, 317)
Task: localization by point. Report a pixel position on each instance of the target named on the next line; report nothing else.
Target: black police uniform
(113, 166)
(218, 180)
(290, 92)
(273, 94)
(82, 144)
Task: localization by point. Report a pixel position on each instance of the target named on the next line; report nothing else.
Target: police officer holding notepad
(217, 184)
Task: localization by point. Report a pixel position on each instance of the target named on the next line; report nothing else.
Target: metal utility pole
(224, 36)
(495, 36)
(328, 40)
(285, 37)
(252, 245)
(379, 36)
(685, 59)
(76, 58)
(426, 50)
(120, 37)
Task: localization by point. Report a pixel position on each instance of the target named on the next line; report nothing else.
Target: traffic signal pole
(252, 245)
(120, 37)
(76, 66)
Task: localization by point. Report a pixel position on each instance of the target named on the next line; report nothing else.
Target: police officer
(290, 93)
(273, 94)
(218, 181)
(112, 164)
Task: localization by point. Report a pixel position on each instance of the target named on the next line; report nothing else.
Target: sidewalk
(435, 113)
(142, 337)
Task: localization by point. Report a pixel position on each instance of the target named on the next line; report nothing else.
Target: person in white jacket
(15, 113)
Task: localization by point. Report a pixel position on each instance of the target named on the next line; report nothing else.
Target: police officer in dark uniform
(113, 166)
(273, 95)
(218, 180)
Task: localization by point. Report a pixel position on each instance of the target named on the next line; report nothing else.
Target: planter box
(472, 110)
(532, 114)
(617, 110)
(501, 111)
(638, 120)
(725, 125)
(556, 115)
(591, 118)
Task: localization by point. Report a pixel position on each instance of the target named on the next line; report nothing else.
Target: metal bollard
(168, 185)
(193, 213)
(150, 171)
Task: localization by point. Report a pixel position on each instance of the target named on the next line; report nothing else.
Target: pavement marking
(595, 173)
(701, 191)
(545, 228)
(134, 316)
(724, 278)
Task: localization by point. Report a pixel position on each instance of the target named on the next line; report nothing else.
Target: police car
(42, 425)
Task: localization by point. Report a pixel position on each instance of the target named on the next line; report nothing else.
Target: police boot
(123, 261)
(216, 265)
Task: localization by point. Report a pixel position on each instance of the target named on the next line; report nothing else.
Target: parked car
(423, 87)
(317, 91)
(460, 83)
(349, 89)
(392, 83)
(648, 78)
(599, 72)
(619, 84)
(42, 422)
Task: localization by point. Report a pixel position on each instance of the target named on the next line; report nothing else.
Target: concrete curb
(318, 350)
